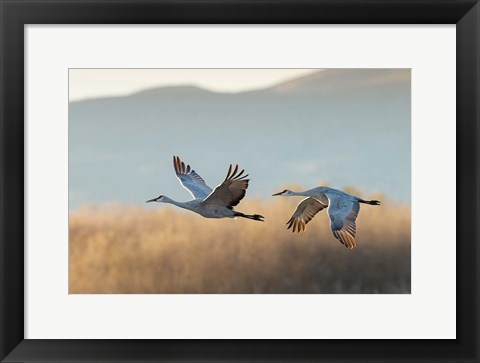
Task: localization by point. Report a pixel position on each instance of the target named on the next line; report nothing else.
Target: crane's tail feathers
(255, 217)
(371, 202)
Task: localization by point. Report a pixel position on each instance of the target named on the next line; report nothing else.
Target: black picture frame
(15, 14)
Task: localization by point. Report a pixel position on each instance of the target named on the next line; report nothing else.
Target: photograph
(239, 181)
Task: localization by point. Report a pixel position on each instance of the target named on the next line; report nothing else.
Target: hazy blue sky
(339, 126)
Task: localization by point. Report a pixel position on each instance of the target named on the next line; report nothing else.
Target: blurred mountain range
(341, 126)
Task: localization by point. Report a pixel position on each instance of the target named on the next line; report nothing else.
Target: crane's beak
(276, 194)
(151, 200)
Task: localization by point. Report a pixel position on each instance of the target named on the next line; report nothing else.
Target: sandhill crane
(342, 209)
(218, 203)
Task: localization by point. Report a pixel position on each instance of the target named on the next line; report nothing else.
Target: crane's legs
(255, 217)
(371, 202)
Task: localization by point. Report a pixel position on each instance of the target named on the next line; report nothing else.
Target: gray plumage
(217, 203)
(342, 209)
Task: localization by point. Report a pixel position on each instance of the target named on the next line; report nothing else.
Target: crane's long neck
(174, 202)
(305, 193)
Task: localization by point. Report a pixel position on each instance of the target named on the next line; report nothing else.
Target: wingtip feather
(175, 167)
(229, 171)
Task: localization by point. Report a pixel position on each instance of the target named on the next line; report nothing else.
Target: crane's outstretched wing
(231, 191)
(343, 213)
(304, 213)
(190, 180)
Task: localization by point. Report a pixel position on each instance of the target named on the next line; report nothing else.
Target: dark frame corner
(15, 14)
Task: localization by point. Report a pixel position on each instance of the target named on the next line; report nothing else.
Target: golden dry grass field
(119, 249)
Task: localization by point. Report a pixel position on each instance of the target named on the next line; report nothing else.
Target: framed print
(359, 119)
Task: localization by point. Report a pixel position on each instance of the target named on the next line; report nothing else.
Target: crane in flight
(342, 209)
(218, 203)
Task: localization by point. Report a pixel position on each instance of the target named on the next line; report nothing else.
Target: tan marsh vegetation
(117, 249)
